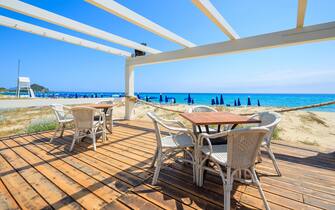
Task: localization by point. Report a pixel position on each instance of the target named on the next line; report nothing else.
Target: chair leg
(104, 136)
(256, 181)
(201, 176)
(227, 189)
(75, 136)
(94, 141)
(154, 159)
(158, 168)
(272, 156)
(62, 131)
(259, 156)
(54, 135)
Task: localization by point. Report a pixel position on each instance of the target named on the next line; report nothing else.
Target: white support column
(129, 90)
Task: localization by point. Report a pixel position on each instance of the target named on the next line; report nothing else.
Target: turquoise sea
(278, 100)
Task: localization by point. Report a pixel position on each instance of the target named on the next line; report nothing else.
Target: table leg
(234, 126)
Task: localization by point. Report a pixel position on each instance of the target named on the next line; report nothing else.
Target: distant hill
(39, 88)
(2, 89)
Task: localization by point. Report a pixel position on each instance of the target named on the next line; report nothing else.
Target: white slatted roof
(211, 12)
(131, 16)
(295, 36)
(50, 17)
(22, 26)
(302, 4)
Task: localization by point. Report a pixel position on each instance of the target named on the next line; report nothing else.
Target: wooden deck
(36, 174)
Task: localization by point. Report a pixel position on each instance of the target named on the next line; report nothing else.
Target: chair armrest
(207, 137)
(67, 112)
(174, 122)
(214, 135)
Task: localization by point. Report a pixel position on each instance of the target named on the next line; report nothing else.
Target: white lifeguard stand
(23, 83)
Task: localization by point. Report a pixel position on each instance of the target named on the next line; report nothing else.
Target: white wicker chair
(270, 121)
(237, 156)
(108, 114)
(86, 126)
(169, 146)
(63, 117)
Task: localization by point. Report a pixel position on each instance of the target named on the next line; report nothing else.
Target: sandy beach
(304, 128)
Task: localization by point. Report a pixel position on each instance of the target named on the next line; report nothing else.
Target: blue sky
(65, 67)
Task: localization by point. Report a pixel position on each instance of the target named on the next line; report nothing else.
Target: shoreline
(7, 104)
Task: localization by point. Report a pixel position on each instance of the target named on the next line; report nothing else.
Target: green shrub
(275, 134)
(41, 125)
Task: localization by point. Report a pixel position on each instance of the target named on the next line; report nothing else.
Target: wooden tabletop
(215, 118)
(98, 106)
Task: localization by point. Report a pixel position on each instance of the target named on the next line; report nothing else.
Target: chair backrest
(109, 111)
(83, 117)
(105, 102)
(270, 121)
(243, 146)
(201, 108)
(156, 120)
(59, 111)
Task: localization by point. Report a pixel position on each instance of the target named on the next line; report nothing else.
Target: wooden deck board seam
(130, 190)
(13, 168)
(45, 162)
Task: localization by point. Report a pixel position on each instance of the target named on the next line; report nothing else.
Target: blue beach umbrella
(249, 101)
(166, 99)
(217, 100)
(138, 96)
(235, 104)
(192, 101)
(146, 98)
(221, 100)
(189, 99)
(160, 98)
(238, 102)
(213, 101)
(258, 103)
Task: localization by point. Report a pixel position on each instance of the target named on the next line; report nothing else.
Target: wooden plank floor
(36, 174)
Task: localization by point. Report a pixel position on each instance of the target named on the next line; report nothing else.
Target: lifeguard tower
(23, 83)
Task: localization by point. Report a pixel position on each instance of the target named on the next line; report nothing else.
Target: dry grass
(313, 118)
(309, 142)
(16, 121)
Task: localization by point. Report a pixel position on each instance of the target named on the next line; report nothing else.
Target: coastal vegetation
(35, 87)
(2, 89)
(39, 88)
(306, 128)
(39, 125)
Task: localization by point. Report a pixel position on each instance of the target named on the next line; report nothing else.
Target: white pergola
(296, 36)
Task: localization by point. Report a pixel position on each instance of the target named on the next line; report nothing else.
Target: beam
(214, 15)
(22, 26)
(314, 33)
(302, 5)
(129, 90)
(131, 16)
(50, 17)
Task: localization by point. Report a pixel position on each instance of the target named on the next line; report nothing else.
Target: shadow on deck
(36, 174)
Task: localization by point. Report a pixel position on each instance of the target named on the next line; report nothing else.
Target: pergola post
(129, 90)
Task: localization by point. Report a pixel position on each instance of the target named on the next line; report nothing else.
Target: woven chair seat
(175, 141)
(219, 153)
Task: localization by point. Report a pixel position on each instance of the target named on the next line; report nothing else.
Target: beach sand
(305, 128)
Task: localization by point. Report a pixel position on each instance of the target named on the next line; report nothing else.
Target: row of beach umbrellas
(190, 100)
(215, 101)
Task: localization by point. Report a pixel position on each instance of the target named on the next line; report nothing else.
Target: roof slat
(214, 15)
(309, 34)
(30, 28)
(302, 5)
(131, 16)
(50, 17)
